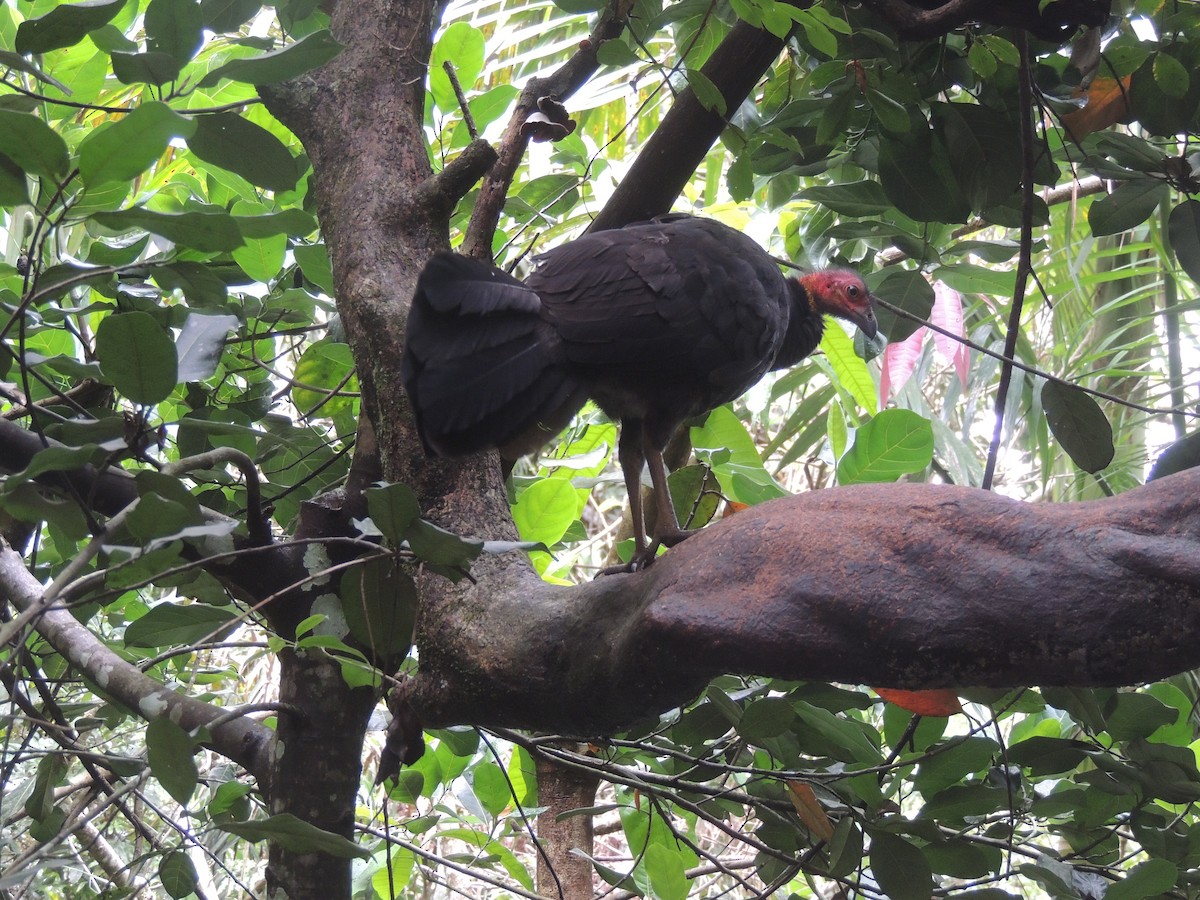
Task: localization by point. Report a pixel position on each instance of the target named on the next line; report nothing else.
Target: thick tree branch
(688, 131)
(912, 586)
(242, 740)
(1049, 21)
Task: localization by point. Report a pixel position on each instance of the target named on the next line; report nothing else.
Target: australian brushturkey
(656, 322)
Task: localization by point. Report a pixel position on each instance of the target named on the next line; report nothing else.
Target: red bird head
(841, 293)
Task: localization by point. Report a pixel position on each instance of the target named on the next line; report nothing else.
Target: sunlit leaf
(894, 443)
(129, 146)
(138, 356)
(309, 52)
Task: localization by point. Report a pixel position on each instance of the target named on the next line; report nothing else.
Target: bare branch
(564, 82)
(242, 740)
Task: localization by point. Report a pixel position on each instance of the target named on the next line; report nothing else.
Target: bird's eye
(852, 290)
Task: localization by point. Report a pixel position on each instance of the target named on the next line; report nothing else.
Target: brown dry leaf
(1107, 105)
(940, 702)
(810, 810)
(732, 506)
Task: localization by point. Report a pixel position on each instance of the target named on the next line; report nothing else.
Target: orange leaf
(732, 506)
(940, 702)
(1107, 104)
(810, 810)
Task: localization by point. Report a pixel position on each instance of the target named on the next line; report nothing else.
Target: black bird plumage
(656, 322)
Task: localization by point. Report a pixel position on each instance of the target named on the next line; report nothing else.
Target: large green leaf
(900, 868)
(894, 443)
(310, 52)
(210, 232)
(287, 831)
(910, 291)
(917, 178)
(64, 25)
(1183, 235)
(174, 27)
(461, 44)
(32, 144)
(200, 343)
(380, 604)
(1079, 424)
(546, 509)
(129, 146)
(138, 356)
(1131, 204)
(178, 875)
(235, 143)
(169, 624)
(170, 751)
(859, 198)
(1147, 879)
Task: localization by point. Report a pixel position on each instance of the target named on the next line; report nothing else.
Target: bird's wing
(687, 299)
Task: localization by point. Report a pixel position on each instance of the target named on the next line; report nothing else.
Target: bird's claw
(642, 559)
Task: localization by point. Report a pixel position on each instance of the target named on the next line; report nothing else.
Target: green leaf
(666, 871)
(228, 15)
(844, 737)
(910, 291)
(892, 115)
(170, 751)
(948, 765)
(1147, 879)
(900, 868)
(323, 368)
(10, 60)
(490, 787)
(1131, 204)
(1048, 755)
(287, 831)
(462, 45)
(175, 624)
(13, 188)
(235, 143)
(894, 443)
(145, 68)
(32, 144)
(129, 146)
(450, 552)
(860, 198)
(546, 509)
(295, 222)
(723, 430)
(200, 344)
(916, 176)
(314, 263)
(393, 508)
(390, 882)
(1135, 714)
(835, 428)
(138, 356)
(706, 92)
(1183, 236)
(308, 53)
(850, 368)
(262, 258)
(767, 718)
(380, 604)
(64, 25)
(178, 874)
(174, 27)
(1078, 423)
(1170, 75)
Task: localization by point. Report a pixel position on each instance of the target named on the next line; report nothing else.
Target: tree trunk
(560, 873)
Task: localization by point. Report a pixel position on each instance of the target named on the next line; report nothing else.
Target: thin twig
(1033, 370)
(462, 98)
(1024, 256)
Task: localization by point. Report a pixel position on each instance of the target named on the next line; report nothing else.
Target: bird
(656, 322)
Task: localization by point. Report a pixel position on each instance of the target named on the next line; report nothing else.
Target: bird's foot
(643, 558)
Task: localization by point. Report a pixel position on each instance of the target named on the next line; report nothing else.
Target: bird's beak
(865, 319)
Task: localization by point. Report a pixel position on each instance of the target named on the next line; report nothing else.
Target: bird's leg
(666, 527)
(630, 452)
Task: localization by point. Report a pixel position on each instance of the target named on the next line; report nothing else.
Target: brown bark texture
(910, 586)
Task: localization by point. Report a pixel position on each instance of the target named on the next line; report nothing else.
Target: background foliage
(167, 297)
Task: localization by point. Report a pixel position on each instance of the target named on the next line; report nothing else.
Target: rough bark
(911, 586)
(560, 872)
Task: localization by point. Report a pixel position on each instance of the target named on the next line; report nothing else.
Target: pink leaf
(899, 360)
(948, 314)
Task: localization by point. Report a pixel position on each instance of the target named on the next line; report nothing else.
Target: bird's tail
(481, 365)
